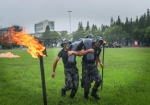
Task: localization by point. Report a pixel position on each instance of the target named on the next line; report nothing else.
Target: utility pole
(70, 20)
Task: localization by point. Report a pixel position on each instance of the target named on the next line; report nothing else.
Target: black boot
(94, 94)
(72, 94)
(82, 83)
(63, 92)
(86, 95)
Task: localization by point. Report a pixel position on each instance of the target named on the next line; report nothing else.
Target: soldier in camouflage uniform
(70, 71)
(90, 71)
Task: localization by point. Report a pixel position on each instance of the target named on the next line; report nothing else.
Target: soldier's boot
(81, 83)
(72, 94)
(94, 94)
(86, 95)
(63, 92)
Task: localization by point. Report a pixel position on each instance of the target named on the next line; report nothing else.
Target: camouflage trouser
(71, 79)
(89, 71)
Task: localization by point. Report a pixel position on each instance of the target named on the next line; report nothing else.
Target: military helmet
(65, 41)
(89, 36)
(93, 40)
(99, 39)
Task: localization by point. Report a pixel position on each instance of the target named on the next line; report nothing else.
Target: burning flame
(8, 55)
(35, 48)
(104, 42)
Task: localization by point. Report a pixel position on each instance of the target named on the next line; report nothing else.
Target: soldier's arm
(73, 52)
(83, 52)
(100, 62)
(54, 66)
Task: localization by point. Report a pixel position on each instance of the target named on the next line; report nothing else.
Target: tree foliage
(127, 32)
(50, 37)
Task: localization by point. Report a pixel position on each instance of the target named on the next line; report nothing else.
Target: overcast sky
(28, 12)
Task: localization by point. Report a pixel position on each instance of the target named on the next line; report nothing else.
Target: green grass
(126, 79)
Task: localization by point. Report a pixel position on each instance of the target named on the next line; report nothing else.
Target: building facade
(41, 26)
(7, 29)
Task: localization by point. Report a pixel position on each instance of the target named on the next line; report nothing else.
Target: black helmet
(65, 41)
(80, 39)
(89, 36)
(93, 40)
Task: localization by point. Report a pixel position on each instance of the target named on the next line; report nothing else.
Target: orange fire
(35, 48)
(104, 42)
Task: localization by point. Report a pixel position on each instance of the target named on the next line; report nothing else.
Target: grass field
(126, 79)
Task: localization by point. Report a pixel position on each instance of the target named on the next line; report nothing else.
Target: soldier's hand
(53, 74)
(101, 64)
(70, 52)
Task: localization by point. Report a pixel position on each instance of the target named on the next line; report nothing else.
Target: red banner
(135, 43)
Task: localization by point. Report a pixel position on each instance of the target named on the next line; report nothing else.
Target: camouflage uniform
(71, 80)
(90, 73)
(71, 75)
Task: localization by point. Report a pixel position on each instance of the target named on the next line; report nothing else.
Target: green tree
(87, 27)
(50, 37)
(147, 32)
(136, 34)
(127, 31)
(118, 22)
(78, 34)
(55, 37)
(104, 27)
(136, 22)
(112, 23)
(113, 34)
(46, 34)
(98, 33)
(132, 27)
(94, 28)
(80, 27)
(147, 35)
(142, 22)
(148, 19)
(64, 35)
